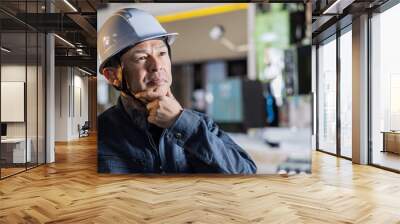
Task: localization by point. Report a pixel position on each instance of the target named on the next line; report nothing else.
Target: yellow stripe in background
(201, 12)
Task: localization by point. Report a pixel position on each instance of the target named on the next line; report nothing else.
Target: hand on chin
(162, 106)
(152, 93)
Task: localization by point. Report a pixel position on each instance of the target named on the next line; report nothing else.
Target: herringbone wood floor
(70, 191)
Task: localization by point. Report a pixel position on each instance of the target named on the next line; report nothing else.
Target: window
(385, 89)
(346, 94)
(327, 96)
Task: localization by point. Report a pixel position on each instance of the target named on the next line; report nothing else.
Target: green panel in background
(227, 101)
(272, 31)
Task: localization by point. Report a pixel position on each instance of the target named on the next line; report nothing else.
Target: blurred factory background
(247, 65)
(226, 53)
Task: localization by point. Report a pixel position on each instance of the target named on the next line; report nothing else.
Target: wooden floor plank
(71, 191)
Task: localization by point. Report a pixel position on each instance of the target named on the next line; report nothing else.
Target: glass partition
(22, 90)
(13, 114)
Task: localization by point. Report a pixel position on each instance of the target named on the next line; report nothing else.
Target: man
(148, 131)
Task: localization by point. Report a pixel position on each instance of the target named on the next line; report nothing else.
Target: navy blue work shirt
(193, 144)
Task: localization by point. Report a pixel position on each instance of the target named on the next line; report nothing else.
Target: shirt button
(178, 135)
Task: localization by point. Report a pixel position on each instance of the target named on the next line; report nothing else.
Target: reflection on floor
(386, 159)
(292, 155)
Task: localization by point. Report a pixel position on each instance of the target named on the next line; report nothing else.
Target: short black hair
(116, 59)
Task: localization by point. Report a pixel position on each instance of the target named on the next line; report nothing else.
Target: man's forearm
(207, 143)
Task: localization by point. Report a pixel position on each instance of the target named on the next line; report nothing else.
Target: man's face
(147, 66)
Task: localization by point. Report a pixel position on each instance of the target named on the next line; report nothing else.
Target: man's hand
(163, 110)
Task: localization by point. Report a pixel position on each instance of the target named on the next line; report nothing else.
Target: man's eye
(162, 53)
(142, 58)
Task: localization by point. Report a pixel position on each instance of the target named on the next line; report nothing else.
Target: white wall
(80, 100)
(61, 103)
(71, 94)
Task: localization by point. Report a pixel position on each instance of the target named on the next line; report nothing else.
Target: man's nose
(155, 64)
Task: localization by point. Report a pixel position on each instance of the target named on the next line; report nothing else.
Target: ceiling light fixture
(217, 33)
(329, 9)
(5, 49)
(337, 7)
(70, 5)
(65, 41)
(84, 71)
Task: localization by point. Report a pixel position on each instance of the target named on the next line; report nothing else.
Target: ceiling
(192, 45)
(336, 14)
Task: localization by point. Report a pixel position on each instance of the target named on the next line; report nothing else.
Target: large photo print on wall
(204, 88)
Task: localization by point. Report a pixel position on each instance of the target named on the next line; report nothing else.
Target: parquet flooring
(70, 191)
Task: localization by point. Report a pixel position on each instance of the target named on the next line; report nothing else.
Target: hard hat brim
(171, 37)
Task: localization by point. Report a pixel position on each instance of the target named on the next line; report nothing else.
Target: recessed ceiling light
(5, 50)
(70, 5)
(64, 40)
(84, 71)
(337, 7)
(217, 32)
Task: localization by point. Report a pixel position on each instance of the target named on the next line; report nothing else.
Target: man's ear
(113, 76)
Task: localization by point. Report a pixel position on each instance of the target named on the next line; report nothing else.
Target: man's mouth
(156, 82)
